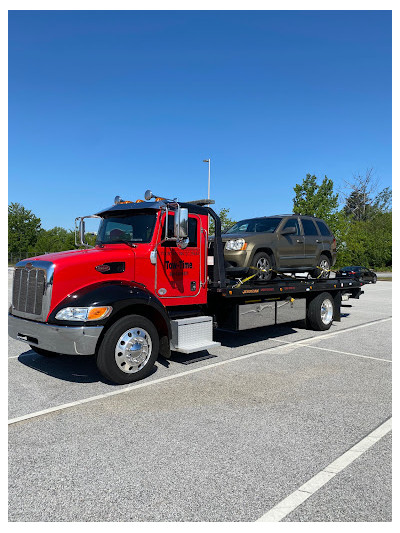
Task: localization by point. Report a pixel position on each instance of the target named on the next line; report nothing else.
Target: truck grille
(28, 291)
(32, 290)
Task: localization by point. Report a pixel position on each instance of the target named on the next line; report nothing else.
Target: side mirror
(148, 195)
(181, 223)
(289, 231)
(82, 231)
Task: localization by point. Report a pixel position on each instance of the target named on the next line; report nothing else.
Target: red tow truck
(151, 286)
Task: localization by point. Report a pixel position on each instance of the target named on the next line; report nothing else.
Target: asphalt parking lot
(229, 435)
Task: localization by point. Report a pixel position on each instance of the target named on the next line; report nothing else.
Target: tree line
(362, 227)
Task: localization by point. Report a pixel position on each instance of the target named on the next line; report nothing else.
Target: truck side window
(192, 232)
(292, 222)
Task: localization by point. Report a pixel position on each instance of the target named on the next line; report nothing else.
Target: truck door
(291, 247)
(178, 271)
(313, 244)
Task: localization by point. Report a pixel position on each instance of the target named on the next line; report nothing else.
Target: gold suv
(282, 243)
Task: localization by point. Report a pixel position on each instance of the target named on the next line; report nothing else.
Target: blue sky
(114, 102)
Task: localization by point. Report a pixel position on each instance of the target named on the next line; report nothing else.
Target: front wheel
(129, 350)
(263, 262)
(320, 312)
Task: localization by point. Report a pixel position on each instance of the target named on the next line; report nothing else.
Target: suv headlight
(83, 313)
(236, 245)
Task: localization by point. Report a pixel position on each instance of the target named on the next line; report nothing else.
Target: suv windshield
(255, 225)
(133, 228)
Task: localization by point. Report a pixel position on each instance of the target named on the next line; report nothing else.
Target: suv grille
(28, 290)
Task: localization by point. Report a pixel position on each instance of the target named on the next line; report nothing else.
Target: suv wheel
(262, 261)
(324, 265)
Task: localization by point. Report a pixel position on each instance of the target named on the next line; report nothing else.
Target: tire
(320, 312)
(262, 260)
(324, 262)
(40, 351)
(128, 350)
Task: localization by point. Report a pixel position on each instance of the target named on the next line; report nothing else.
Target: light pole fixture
(209, 164)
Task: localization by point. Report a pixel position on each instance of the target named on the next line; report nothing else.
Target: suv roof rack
(294, 215)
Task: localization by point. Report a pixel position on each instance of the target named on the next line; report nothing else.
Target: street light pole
(209, 169)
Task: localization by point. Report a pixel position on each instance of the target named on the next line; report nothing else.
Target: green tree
(23, 229)
(226, 222)
(56, 239)
(383, 201)
(315, 200)
(362, 203)
(367, 243)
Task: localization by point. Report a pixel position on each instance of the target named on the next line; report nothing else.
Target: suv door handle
(299, 240)
(317, 240)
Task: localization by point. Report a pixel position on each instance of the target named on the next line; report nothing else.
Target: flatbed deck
(281, 287)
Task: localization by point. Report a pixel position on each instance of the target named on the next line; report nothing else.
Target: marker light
(236, 245)
(83, 313)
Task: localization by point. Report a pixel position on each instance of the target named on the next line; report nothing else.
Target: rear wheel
(322, 271)
(320, 312)
(40, 351)
(129, 350)
(263, 262)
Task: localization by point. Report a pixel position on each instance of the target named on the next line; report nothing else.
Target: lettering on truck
(180, 265)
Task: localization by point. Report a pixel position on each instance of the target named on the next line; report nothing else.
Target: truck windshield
(259, 225)
(132, 228)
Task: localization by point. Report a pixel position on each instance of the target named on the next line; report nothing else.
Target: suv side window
(192, 232)
(309, 227)
(323, 228)
(292, 222)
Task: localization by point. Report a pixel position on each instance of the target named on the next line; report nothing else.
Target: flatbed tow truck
(151, 286)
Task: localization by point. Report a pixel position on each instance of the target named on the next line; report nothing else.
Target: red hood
(75, 269)
(83, 256)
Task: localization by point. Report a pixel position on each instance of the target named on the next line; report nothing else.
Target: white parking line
(332, 333)
(291, 502)
(181, 374)
(348, 353)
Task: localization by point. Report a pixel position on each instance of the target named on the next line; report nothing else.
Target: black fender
(123, 296)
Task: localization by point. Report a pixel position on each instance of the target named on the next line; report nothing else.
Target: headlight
(236, 244)
(83, 313)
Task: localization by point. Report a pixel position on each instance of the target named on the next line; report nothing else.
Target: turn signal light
(96, 313)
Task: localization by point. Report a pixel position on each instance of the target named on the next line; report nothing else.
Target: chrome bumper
(58, 339)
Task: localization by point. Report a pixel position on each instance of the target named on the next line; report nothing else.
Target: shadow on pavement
(73, 368)
(241, 338)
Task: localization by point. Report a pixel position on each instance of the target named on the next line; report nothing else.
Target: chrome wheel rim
(324, 265)
(263, 264)
(326, 311)
(133, 350)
